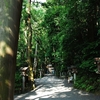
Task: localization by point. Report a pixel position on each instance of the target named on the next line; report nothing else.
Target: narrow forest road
(52, 88)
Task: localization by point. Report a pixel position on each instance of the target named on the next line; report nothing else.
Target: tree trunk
(30, 65)
(35, 60)
(10, 12)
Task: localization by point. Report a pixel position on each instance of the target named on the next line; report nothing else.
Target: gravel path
(52, 88)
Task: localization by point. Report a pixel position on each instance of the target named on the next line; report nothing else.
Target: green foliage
(39, 37)
(73, 34)
(18, 80)
(86, 83)
(67, 33)
(88, 65)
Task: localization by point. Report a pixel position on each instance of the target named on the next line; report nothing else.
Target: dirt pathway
(52, 88)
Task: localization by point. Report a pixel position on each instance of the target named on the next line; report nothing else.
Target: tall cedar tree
(9, 28)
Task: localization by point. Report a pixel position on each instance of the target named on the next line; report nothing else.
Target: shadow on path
(52, 88)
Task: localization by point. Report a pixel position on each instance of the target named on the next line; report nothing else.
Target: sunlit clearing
(5, 49)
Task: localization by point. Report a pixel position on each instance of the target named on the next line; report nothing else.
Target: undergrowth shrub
(90, 83)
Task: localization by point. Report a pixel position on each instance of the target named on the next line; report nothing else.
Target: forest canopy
(64, 33)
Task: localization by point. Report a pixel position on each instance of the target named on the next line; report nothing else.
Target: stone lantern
(74, 71)
(23, 71)
(97, 62)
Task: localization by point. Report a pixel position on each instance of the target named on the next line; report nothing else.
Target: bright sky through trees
(40, 0)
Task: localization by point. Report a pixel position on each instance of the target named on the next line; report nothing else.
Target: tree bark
(10, 11)
(35, 60)
(30, 65)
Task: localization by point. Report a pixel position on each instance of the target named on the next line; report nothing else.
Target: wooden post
(23, 83)
(40, 73)
(74, 77)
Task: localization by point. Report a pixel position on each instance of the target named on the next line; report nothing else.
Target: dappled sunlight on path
(52, 88)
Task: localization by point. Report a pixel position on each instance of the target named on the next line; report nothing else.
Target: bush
(89, 84)
(18, 80)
